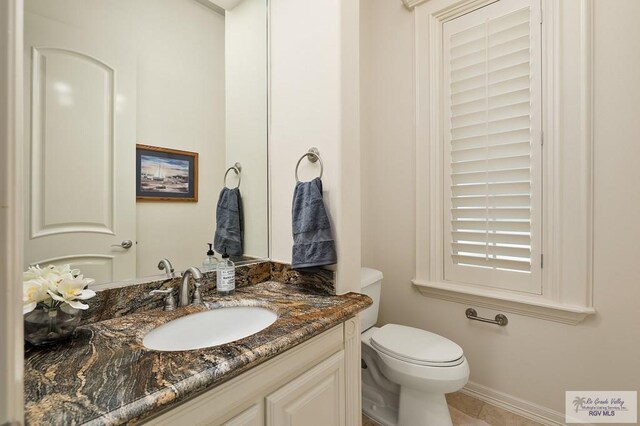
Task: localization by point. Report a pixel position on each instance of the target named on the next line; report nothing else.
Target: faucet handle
(165, 265)
(169, 300)
(197, 295)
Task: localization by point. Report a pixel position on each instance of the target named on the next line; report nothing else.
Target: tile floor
(468, 411)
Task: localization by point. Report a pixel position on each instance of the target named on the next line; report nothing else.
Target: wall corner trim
(11, 201)
(411, 4)
(521, 407)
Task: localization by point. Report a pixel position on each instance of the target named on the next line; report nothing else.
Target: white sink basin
(209, 328)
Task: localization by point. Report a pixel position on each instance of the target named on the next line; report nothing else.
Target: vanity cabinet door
(316, 398)
(253, 416)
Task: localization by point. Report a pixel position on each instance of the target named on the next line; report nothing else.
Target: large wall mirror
(135, 112)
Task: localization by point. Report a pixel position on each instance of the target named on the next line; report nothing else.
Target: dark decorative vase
(45, 326)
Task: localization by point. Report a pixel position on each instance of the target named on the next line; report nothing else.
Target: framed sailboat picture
(164, 174)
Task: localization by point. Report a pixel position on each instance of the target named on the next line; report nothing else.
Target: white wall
(314, 102)
(531, 359)
(246, 124)
(181, 105)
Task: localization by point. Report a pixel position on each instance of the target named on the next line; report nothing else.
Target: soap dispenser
(226, 276)
(210, 262)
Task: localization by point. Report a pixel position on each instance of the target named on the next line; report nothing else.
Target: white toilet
(406, 371)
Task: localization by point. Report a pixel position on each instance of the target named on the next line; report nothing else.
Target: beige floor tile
(468, 411)
(461, 419)
(457, 417)
(498, 417)
(526, 422)
(465, 403)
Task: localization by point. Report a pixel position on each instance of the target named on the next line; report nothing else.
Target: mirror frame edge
(11, 199)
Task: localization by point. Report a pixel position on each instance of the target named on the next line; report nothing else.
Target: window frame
(567, 198)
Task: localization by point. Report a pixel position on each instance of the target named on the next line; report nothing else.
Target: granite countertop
(104, 375)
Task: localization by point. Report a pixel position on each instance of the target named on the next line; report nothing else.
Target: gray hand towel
(229, 226)
(313, 243)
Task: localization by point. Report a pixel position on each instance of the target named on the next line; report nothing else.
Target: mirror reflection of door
(102, 76)
(80, 156)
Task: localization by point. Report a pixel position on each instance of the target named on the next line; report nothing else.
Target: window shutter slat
(513, 265)
(489, 189)
(491, 164)
(507, 150)
(493, 249)
(492, 120)
(491, 213)
(500, 75)
(514, 136)
(471, 85)
(510, 25)
(491, 227)
(491, 127)
(501, 176)
(493, 201)
(493, 237)
(502, 112)
(499, 88)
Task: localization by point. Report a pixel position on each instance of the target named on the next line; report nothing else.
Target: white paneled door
(80, 150)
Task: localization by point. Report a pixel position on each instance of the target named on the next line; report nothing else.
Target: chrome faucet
(183, 294)
(165, 265)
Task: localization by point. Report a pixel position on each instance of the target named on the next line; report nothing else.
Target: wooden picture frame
(164, 174)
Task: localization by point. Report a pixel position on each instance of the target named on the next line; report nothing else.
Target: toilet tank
(370, 283)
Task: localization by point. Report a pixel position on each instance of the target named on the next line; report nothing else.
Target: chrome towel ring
(312, 155)
(237, 168)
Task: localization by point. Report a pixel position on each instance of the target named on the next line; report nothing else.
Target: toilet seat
(416, 346)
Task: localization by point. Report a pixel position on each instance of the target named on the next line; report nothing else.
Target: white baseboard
(515, 405)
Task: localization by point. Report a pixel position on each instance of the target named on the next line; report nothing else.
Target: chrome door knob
(126, 244)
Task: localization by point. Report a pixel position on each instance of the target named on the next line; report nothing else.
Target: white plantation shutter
(492, 146)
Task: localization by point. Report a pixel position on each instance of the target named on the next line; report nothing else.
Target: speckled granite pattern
(117, 302)
(317, 278)
(105, 376)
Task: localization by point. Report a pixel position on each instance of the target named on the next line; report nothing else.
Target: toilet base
(378, 403)
(384, 415)
(416, 407)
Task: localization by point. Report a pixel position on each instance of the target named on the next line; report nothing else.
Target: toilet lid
(416, 346)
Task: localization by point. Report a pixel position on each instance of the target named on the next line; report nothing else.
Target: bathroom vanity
(302, 386)
(301, 370)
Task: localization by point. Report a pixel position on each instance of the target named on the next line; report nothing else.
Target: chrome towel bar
(500, 320)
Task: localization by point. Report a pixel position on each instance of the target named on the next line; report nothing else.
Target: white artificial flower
(54, 279)
(60, 283)
(34, 291)
(32, 273)
(70, 289)
(51, 272)
(65, 269)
